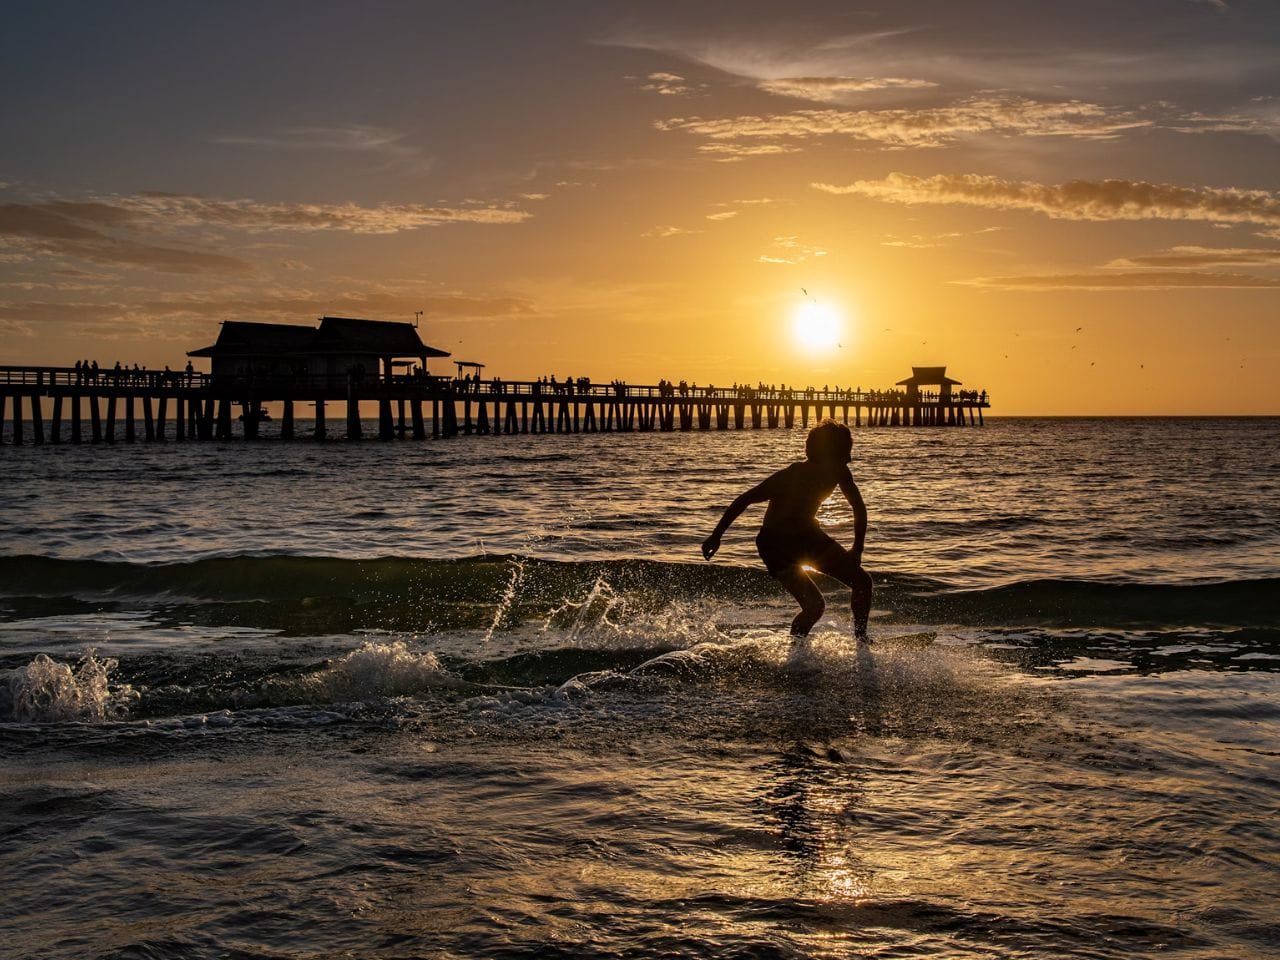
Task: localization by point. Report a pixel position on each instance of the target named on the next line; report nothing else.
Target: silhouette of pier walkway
(152, 406)
(347, 361)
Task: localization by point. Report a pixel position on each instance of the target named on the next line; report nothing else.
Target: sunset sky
(1075, 206)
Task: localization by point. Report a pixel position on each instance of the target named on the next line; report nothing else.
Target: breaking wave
(318, 595)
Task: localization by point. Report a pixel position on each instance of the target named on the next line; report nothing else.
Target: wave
(300, 595)
(217, 689)
(292, 684)
(1082, 603)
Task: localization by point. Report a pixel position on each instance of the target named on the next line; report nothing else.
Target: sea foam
(47, 691)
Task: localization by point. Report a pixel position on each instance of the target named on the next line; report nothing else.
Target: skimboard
(923, 639)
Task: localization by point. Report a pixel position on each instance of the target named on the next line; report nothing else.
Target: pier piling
(55, 425)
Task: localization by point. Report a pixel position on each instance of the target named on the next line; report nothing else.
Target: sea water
(482, 697)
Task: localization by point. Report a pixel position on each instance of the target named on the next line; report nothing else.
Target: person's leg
(859, 583)
(860, 603)
(807, 595)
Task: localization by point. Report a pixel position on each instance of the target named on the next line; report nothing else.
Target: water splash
(610, 617)
(508, 598)
(378, 670)
(46, 691)
(601, 609)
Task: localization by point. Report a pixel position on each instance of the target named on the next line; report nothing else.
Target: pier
(345, 362)
(156, 407)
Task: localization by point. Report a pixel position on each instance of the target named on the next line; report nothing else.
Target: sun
(816, 326)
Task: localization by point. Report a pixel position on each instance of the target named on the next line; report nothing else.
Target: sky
(1074, 206)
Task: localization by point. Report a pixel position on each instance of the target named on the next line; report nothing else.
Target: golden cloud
(1190, 256)
(927, 127)
(665, 231)
(1135, 280)
(181, 210)
(835, 89)
(1076, 199)
(790, 250)
(669, 85)
(730, 152)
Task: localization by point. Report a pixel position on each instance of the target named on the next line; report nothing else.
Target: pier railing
(202, 404)
(51, 380)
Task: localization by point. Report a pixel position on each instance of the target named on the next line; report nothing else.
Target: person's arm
(757, 494)
(854, 496)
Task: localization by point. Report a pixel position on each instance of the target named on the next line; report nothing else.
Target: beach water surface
(481, 697)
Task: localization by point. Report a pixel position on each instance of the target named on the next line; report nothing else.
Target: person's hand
(710, 546)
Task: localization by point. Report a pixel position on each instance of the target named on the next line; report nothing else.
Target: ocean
(482, 697)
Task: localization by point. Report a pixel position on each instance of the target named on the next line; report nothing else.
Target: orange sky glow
(1075, 210)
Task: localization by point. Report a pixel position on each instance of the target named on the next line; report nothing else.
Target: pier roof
(248, 338)
(927, 377)
(380, 337)
(335, 335)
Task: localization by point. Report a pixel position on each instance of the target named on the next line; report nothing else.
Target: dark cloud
(59, 229)
(106, 230)
(124, 318)
(42, 222)
(388, 145)
(148, 256)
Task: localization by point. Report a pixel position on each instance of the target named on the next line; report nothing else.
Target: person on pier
(790, 538)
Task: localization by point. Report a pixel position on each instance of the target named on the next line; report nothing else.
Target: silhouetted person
(790, 536)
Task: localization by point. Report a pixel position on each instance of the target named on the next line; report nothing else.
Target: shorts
(782, 549)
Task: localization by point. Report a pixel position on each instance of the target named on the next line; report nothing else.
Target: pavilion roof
(381, 338)
(927, 377)
(248, 338)
(344, 335)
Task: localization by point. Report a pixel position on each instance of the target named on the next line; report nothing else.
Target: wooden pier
(111, 406)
